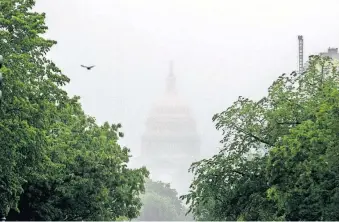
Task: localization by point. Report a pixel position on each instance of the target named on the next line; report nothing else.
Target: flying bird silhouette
(87, 67)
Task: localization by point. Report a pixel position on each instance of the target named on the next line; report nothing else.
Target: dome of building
(170, 143)
(170, 104)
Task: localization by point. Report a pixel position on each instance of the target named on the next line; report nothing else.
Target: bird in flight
(87, 67)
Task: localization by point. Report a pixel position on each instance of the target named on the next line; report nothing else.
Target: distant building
(170, 143)
(331, 52)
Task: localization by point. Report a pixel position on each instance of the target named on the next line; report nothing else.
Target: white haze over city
(221, 49)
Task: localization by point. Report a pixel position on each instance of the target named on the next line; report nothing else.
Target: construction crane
(301, 53)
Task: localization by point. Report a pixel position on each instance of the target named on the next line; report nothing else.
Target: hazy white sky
(221, 49)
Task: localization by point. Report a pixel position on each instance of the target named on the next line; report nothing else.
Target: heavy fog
(220, 50)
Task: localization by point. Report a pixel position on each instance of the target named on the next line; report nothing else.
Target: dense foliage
(56, 162)
(161, 203)
(281, 153)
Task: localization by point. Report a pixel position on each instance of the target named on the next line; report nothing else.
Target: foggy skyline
(220, 49)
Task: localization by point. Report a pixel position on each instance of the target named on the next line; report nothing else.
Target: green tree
(56, 162)
(87, 180)
(261, 172)
(161, 203)
(302, 169)
(31, 93)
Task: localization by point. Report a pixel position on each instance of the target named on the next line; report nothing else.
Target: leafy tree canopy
(56, 162)
(280, 154)
(161, 203)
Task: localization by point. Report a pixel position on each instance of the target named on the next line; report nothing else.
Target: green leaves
(161, 203)
(280, 154)
(56, 162)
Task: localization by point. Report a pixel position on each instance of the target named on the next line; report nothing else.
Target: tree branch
(259, 139)
(289, 123)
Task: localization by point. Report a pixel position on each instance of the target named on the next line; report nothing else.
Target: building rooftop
(331, 52)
